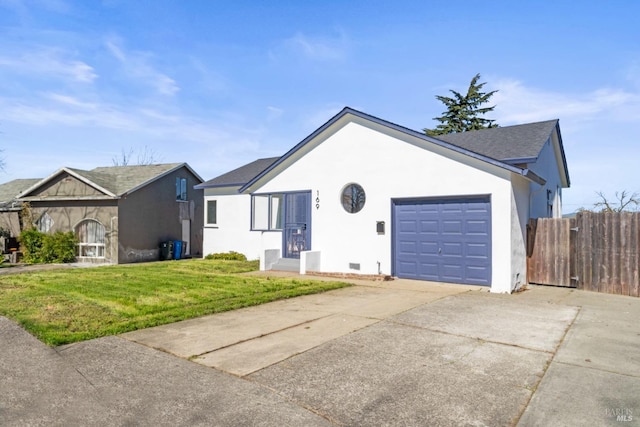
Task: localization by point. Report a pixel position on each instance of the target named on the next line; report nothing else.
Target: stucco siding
(66, 215)
(388, 169)
(10, 221)
(232, 232)
(546, 200)
(66, 185)
(151, 215)
(519, 219)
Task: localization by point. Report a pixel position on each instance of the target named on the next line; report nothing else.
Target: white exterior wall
(519, 219)
(387, 168)
(547, 168)
(232, 232)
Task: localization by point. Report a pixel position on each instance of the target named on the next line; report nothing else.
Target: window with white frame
(91, 241)
(212, 212)
(181, 189)
(266, 211)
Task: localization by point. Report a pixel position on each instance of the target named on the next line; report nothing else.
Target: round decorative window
(353, 198)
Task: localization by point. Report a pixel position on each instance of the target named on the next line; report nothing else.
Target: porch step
(287, 264)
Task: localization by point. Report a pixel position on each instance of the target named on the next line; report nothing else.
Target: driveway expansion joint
(195, 356)
(534, 388)
(484, 340)
(595, 368)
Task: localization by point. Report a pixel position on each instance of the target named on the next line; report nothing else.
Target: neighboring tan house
(10, 208)
(362, 195)
(120, 214)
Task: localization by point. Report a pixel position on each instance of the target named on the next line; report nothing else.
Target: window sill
(211, 226)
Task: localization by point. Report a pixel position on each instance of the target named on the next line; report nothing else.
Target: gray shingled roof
(505, 143)
(241, 175)
(122, 179)
(9, 190)
(116, 180)
(505, 146)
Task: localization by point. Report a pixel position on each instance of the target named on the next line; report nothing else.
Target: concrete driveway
(389, 353)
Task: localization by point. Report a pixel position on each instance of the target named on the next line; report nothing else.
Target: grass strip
(70, 305)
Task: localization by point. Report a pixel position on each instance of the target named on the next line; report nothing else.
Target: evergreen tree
(463, 112)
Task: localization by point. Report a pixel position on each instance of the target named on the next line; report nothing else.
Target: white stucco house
(362, 195)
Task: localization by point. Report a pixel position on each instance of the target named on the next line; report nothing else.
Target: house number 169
(317, 199)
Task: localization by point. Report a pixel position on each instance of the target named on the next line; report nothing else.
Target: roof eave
(519, 160)
(402, 129)
(529, 174)
(66, 199)
(70, 172)
(205, 186)
(162, 175)
(564, 158)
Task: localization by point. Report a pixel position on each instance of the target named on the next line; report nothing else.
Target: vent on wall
(354, 266)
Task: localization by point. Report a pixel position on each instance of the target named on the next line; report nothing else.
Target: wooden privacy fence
(594, 251)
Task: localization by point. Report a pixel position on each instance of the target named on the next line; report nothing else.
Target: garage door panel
(452, 208)
(429, 271)
(451, 249)
(451, 238)
(408, 268)
(477, 250)
(429, 226)
(408, 249)
(428, 248)
(408, 226)
(450, 226)
(479, 208)
(475, 226)
(452, 272)
(475, 275)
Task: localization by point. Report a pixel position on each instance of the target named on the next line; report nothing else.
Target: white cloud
(274, 113)
(49, 63)
(319, 48)
(71, 101)
(137, 65)
(598, 127)
(517, 103)
(52, 109)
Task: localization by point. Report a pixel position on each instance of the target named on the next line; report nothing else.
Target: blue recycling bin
(177, 249)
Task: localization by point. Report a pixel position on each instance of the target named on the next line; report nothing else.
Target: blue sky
(218, 84)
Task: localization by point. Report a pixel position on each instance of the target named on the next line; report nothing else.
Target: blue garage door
(443, 240)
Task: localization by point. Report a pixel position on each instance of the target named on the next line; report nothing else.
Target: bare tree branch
(146, 157)
(622, 202)
(125, 159)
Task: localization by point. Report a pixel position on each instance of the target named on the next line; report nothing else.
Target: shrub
(38, 247)
(31, 245)
(59, 247)
(229, 256)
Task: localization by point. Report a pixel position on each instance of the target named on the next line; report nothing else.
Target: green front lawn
(70, 305)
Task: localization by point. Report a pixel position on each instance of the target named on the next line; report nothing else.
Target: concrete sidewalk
(246, 340)
(389, 353)
(594, 378)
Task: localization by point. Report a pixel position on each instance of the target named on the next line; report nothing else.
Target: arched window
(90, 234)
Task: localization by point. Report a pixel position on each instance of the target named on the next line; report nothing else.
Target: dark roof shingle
(115, 181)
(123, 179)
(241, 175)
(10, 190)
(505, 143)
